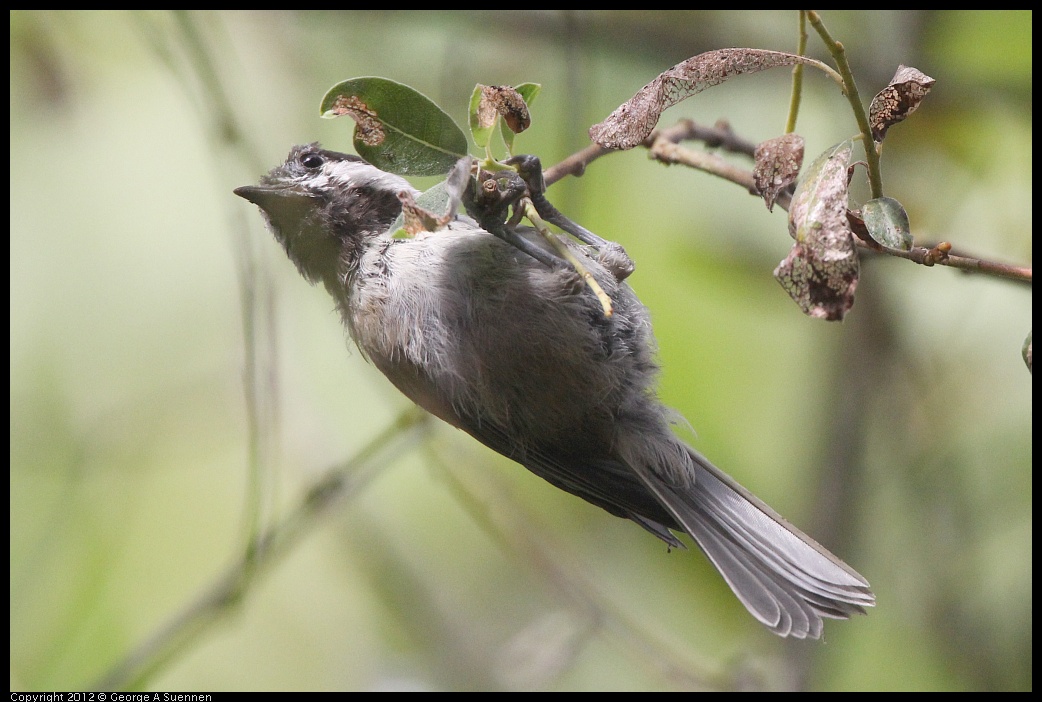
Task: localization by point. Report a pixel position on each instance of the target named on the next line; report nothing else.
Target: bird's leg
(487, 200)
(611, 255)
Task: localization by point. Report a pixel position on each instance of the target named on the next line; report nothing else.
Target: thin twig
(797, 76)
(564, 252)
(574, 165)
(839, 53)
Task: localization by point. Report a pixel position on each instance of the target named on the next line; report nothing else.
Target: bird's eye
(312, 161)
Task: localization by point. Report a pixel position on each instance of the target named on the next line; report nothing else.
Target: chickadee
(519, 354)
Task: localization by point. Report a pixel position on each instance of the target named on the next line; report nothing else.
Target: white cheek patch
(358, 175)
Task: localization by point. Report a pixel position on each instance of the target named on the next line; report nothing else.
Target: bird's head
(324, 206)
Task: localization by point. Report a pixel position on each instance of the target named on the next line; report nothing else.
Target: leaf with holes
(397, 128)
(490, 102)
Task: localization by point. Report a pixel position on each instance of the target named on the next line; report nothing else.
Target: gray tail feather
(783, 577)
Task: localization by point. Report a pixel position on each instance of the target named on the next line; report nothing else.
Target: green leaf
(397, 128)
(482, 117)
(887, 223)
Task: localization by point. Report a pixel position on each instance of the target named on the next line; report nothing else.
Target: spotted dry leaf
(821, 271)
(778, 162)
(506, 101)
(896, 101)
(634, 120)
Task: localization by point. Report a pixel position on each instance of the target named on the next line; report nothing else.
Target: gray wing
(608, 484)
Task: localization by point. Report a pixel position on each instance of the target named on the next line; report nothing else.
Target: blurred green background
(899, 438)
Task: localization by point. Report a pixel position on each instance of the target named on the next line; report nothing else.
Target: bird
(515, 350)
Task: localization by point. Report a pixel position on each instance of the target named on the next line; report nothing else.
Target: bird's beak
(287, 208)
(284, 206)
(267, 196)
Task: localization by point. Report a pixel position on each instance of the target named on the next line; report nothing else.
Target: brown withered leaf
(506, 101)
(822, 288)
(778, 163)
(899, 99)
(821, 271)
(634, 120)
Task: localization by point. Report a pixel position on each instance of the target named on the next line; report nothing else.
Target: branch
(574, 165)
(663, 145)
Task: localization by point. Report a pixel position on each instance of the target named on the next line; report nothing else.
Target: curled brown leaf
(897, 100)
(634, 120)
(506, 101)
